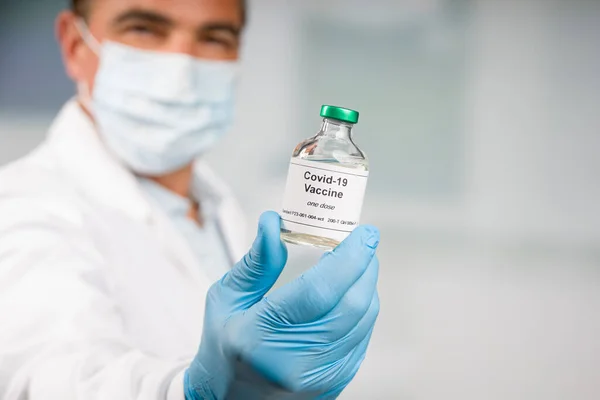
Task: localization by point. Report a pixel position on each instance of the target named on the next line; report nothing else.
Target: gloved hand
(309, 336)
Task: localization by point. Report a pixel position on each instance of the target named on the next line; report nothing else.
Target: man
(113, 229)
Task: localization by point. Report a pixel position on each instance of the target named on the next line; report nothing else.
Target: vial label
(322, 199)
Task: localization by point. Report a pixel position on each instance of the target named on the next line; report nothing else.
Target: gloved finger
(346, 344)
(358, 301)
(257, 272)
(351, 366)
(318, 291)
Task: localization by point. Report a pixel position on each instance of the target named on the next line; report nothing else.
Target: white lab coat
(100, 297)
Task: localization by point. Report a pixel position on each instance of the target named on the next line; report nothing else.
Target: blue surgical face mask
(158, 111)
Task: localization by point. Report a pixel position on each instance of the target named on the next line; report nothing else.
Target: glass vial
(326, 184)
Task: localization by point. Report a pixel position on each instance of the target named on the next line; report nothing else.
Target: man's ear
(73, 49)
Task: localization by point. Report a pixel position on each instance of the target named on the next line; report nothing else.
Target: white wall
(534, 130)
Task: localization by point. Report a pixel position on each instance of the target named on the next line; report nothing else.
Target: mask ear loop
(87, 36)
(84, 95)
(83, 88)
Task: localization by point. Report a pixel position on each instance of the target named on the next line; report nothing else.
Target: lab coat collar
(86, 160)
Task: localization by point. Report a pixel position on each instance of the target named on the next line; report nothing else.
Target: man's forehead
(184, 11)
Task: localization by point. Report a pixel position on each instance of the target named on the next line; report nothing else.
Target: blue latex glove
(309, 336)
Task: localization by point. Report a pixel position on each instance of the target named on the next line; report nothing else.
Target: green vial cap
(340, 113)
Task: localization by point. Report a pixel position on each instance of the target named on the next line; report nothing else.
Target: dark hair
(81, 8)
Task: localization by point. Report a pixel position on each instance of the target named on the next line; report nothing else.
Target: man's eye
(221, 41)
(142, 30)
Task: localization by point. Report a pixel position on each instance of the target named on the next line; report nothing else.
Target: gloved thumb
(252, 277)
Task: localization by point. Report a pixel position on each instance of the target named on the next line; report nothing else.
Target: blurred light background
(482, 122)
